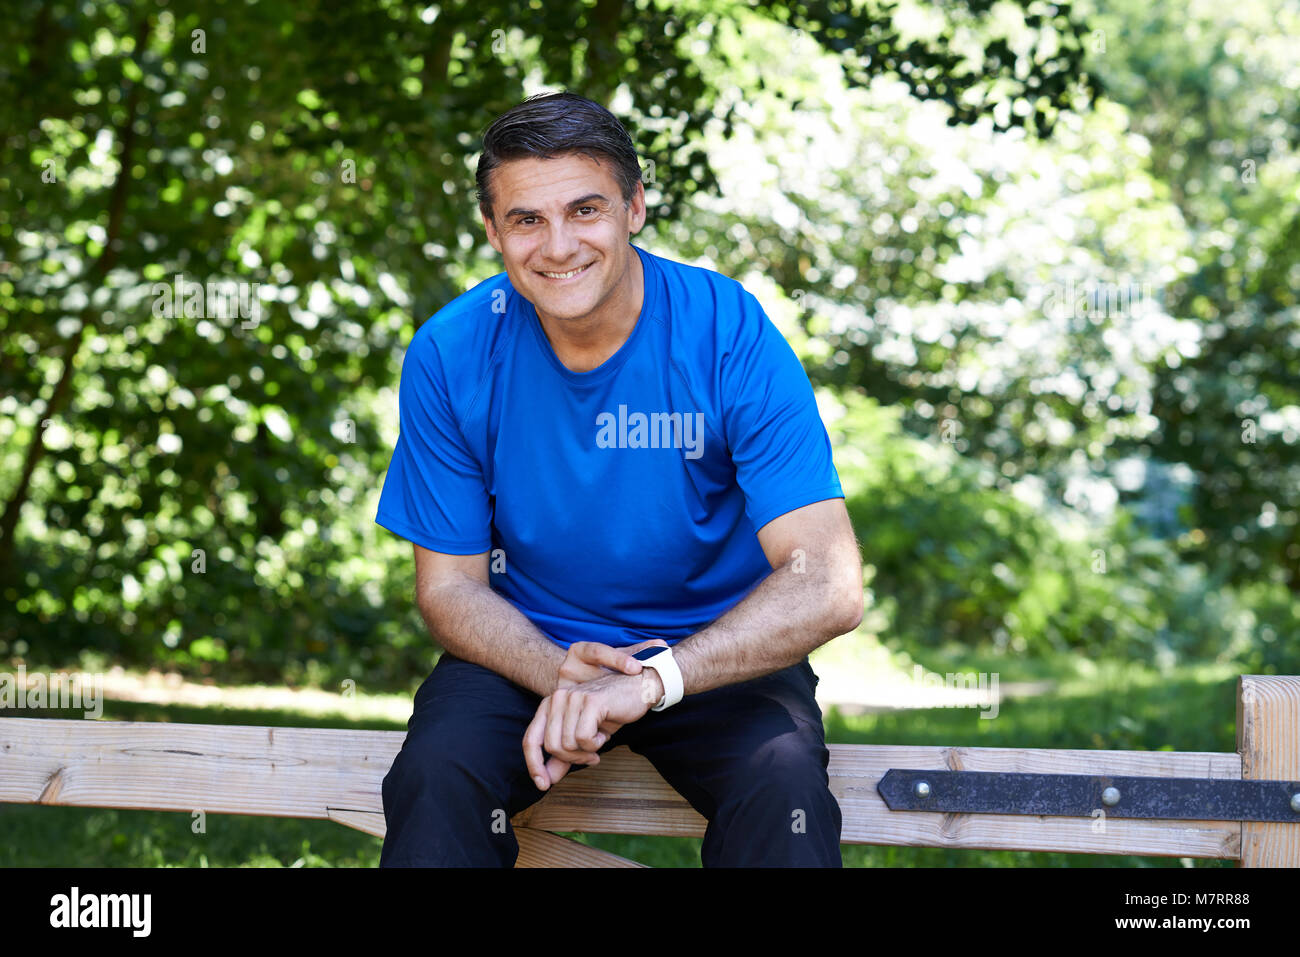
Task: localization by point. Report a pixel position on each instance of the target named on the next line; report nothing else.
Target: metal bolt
(1295, 803)
(1110, 797)
(923, 789)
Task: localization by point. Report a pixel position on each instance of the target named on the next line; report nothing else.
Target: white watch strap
(670, 674)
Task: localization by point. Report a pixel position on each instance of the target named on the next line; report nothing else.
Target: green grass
(1107, 706)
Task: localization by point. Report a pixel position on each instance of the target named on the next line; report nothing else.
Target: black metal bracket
(1083, 795)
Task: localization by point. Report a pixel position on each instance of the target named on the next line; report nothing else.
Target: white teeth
(564, 275)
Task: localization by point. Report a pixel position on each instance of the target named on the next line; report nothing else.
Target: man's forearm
(788, 615)
(473, 622)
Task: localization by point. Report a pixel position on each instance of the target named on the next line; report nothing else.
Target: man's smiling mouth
(561, 276)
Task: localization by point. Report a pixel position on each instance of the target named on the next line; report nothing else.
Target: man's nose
(560, 245)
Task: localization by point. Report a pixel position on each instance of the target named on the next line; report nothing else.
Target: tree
(311, 159)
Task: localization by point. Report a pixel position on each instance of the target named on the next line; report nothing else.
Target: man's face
(559, 215)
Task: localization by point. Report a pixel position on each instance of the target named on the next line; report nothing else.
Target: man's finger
(588, 734)
(547, 774)
(570, 725)
(630, 665)
(554, 737)
(533, 738)
(551, 737)
(556, 769)
(575, 751)
(616, 659)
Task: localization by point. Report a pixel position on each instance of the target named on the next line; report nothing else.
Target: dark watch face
(645, 653)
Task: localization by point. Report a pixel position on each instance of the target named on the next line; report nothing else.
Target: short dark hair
(549, 125)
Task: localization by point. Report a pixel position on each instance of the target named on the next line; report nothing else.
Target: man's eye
(592, 208)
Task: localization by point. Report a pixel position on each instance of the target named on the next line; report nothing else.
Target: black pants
(750, 757)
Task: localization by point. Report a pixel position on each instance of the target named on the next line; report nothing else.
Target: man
(604, 452)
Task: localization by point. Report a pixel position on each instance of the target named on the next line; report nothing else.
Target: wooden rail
(337, 775)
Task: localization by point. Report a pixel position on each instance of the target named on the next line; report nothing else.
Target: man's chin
(563, 307)
(566, 313)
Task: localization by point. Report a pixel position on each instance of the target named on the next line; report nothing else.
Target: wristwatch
(662, 660)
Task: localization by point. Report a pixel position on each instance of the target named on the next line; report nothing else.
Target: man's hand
(588, 660)
(574, 723)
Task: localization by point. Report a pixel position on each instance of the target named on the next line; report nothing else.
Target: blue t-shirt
(622, 503)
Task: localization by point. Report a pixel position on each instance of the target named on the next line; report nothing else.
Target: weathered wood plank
(868, 820)
(536, 848)
(1268, 740)
(220, 769)
(623, 795)
(372, 822)
(337, 774)
(543, 849)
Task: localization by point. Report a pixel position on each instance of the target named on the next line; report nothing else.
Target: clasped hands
(599, 689)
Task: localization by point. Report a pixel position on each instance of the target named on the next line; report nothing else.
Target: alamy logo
(76, 909)
(656, 430)
(1098, 300)
(55, 690)
(224, 299)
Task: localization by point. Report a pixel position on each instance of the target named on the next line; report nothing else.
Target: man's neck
(584, 344)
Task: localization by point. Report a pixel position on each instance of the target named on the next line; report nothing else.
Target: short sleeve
(778, 442)
(434, 493)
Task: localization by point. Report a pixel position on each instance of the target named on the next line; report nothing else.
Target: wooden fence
(337, 774)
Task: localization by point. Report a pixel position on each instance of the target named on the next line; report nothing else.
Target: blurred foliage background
(909, 188)
(1041, 261)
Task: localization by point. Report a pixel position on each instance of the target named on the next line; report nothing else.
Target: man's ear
(636, 209)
